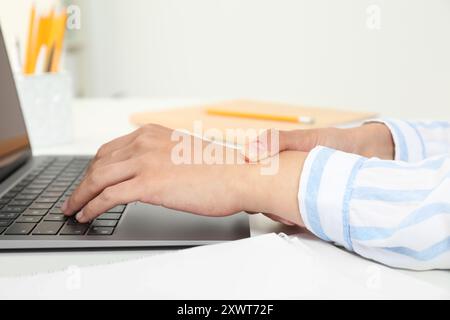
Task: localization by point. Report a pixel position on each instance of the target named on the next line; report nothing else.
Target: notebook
(193, 117)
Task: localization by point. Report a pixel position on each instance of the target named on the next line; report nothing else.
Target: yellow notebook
(186, 118)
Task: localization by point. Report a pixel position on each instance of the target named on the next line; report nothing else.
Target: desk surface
(99, 120)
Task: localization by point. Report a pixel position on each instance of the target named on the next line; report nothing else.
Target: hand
(369, 140)
(139, 167)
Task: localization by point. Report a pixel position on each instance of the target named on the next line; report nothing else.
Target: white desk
(100, 120)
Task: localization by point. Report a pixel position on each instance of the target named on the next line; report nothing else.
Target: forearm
(278, 194)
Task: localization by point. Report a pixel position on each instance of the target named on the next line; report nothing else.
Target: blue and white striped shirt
(394, 212)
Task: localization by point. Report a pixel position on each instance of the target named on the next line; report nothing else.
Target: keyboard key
(104, 223)
(59, 204)
(47, 177)
(69, 176)
(56, 211)
(47, 228)
(73, 221)
(42, 182)
(16, 189)
(36, 205)
(100, 231)
(110, 216)
(37, 186)
(5, 223)
(64, 180)
(74, 230)
(47, 199)
(52, 194)
(35, 212)
(60, 184)
(55, 217)
(22, 184)
(56, 189)
(21, 196)
(16, 202)
(20, 228)
(8, 216)
(10, 209)
(31, 191)
(118, 209)
(29, 219)
(9, 195)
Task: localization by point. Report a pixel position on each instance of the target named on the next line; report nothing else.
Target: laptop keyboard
(33, 206)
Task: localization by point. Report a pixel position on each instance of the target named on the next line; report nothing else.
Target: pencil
(28, 65)
(260, 116)
(59, 39)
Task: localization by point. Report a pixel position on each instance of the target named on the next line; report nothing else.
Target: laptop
(32, 190)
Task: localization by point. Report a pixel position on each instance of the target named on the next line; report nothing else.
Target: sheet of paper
(264, 267)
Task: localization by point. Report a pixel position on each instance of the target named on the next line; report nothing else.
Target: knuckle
(107, 195)
(115, 153)
(93, 167)
(141, 130)
(92, 181)
(145, 129)
(141, 141)
(101, 151)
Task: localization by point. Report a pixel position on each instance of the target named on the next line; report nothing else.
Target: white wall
(315, 52)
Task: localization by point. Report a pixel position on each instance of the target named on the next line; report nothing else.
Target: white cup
(47, 107)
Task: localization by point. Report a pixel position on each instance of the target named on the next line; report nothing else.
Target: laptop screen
(14, 144)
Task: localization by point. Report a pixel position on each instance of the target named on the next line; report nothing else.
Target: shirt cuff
(324, 194)
(409, 144)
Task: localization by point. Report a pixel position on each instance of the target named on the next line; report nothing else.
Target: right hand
(369, 140)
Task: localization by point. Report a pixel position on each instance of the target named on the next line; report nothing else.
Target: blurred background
(385, 56)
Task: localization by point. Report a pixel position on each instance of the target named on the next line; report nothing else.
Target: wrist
(277, 193)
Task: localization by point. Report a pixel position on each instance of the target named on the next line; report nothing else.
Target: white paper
(264, 267)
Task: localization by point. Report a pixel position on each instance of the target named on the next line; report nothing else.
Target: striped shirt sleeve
(417, 140)
(393, 212)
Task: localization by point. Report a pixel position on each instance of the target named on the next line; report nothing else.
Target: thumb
(272, 142)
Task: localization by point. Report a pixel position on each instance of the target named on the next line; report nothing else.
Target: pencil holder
(47, 106)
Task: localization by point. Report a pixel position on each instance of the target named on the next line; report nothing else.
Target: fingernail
(80, 216)
(65, 205)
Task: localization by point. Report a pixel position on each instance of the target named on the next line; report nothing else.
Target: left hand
(369, 140)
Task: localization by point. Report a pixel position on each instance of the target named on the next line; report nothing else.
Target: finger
(96, 182)
(122, 193)
(271, 142)
(261, 147)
